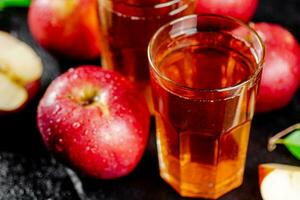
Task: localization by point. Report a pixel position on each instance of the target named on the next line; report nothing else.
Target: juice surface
(202, 138)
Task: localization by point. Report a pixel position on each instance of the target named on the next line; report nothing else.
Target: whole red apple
(242, 9)
(281, 73)
(67, 27)
(95, 121)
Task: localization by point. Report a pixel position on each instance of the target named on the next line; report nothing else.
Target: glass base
(196, 191)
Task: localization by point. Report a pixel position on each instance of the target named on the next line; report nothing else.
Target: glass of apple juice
(205, 72)
(126, 29)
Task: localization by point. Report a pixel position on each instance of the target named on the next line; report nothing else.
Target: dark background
(27, 171)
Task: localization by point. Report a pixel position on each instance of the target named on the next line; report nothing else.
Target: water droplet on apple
(59, 146)
(85, 132)
(56, 109)
(94, 150)
(107, 76)
(75, 76)
(48, 131)
(76, 125)
(88, 148)
(71, 70)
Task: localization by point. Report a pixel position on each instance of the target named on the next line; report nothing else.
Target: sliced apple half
(20, 71)
(279, 182)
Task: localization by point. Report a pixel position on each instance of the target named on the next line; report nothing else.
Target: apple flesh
(281, 73)
(95, 121)
(279, 181)
(20, 72)
(241, 9)
(67, 27)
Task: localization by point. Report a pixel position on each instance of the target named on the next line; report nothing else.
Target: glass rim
(259, 63)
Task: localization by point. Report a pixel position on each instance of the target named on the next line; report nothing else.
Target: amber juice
(202, 126)
(126, 29)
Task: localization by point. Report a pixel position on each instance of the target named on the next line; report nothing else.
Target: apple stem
(251, 24)
(276, 139)
(280, 141)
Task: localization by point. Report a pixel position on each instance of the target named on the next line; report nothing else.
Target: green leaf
(14, 3)
(292, 143)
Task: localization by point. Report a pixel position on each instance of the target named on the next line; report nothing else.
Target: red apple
(96, 121)
(281, 73)
(68, 27)
(279, 181)
(242, 9)
(20, 73)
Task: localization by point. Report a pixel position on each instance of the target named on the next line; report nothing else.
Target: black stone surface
(27, 171)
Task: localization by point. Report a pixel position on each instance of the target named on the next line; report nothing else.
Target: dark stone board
(27, 171)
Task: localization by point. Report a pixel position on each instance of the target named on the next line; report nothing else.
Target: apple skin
(241, 9)
(103, 136)
(263, 171)
(33, 88)
(281, 73)
(67, 27)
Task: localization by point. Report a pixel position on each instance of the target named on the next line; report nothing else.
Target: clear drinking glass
(126, 29)
(205, 72)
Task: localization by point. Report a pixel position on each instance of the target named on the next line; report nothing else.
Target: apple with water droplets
(96, 121)
(281, 73)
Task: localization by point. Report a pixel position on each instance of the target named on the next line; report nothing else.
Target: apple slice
(279, 182)
(14, 97)
(20, 72)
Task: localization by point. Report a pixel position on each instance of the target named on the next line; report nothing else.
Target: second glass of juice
(205, 73)
(126, 29)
